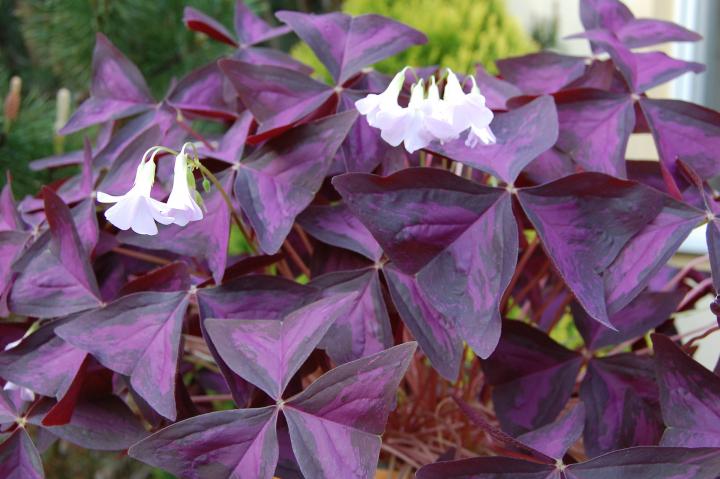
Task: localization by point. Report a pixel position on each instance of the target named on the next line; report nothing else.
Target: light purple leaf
(595, 128)
(276, 96)
(606, 14)
(12, 244)
(644, 32)
(202, 92)
(232, 144)
(555, 439)
(650, 463)
(335, 424)
(337, 226)
(9, 217)
(137, 336)
(460, 238)
(8, 411)
(541, 73)
(689, 397)
(268, 352)
(488, 468)
(436, 334)
(522, 135)
(532, 377)
(118, 89)
(237, 444)
(346, 45)
(270, 57)
(364, 329)
(280, 179)
(621, 401)
(496, 91)
(622, 57)
(251, 29)
(584, 221)
(685, 131)
(656, 68)
(19, 459)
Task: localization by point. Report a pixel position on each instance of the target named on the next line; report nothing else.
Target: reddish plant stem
(195, 134)
(211, 398)
(304, 238)
(296, 259)
(518, 270)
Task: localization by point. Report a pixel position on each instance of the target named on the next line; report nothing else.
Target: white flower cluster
(428, 117)
(136, 210)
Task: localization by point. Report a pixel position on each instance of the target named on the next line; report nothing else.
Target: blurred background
(46, 49)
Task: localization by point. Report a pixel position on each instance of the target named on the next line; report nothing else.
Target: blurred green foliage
(461, 33)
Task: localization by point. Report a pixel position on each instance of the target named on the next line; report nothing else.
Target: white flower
(135, 209)
(25, 393)
(372, 104)
(468, 111)
(181, 203)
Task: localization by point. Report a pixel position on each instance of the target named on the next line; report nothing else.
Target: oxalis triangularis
(441, 274)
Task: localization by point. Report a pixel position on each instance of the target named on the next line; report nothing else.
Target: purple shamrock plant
(252, 308)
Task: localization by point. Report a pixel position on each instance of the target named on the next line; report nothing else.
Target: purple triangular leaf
(644, 32)
(201, 92)
(138, 336)
(19, 459)
(555, 439)
(198, 21)
(337, 226)
(644, 313)
(278, 180)
(12, 244)
(622, 57)
(595, 127)
(251, 29)
(488, 468)
(9, 216)
(171, 277)
(223, 444)
(271, 57)
(335, 424)
(8, 411)
(276, 96)
(459, 237)
(437, 336)
(522, 135)
(584, 221)
(532, 377)
(650, 463)
(656, 68)
(606, 14)
(232, 144)
(118, 89)
(541, 73)
(689, 397)
(268, 352)
(621, 400)
(364, 329)
(496, 91)
(685, 131)
(346, 45)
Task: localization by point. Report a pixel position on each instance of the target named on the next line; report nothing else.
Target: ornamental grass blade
(117, 89)
(236, 444)
(689, 397)
(532, 377)
(268, 352)
(137, 336)
(335, 424)
(280, 179)
(345, 44)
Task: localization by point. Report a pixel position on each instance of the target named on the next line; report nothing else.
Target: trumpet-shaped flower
(373, 104)
(182, 205)
(468, 111)
(135, 209)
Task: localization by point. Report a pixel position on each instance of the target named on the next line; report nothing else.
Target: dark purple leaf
(172, 277)
(436, 334)
(656, 68)
(202, 92)
(337, 226)
(458, 237)
(595, 127)
(138, 336)
(9, 217)
(496, 91)
(644, 32)
(645, 312)
(276, 96)
(488, 468)
(540, 73)
(335, 424)
(584, 221)
(363, 329)
(8, 411)
(19, 459)
(278, 180)
(346, 45)
(689, 397)
(42, 362)
(232, 144)
(205, 239)
(118, 89)
(685, 131)
(712, 235)
(650, 463)
(251, 29)
(199, 22)
(224, 445)
(267, 352)
(522, 135)
(622, 57)
(621, 400)
(555, 439)
(532, 377)
(270, 57)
